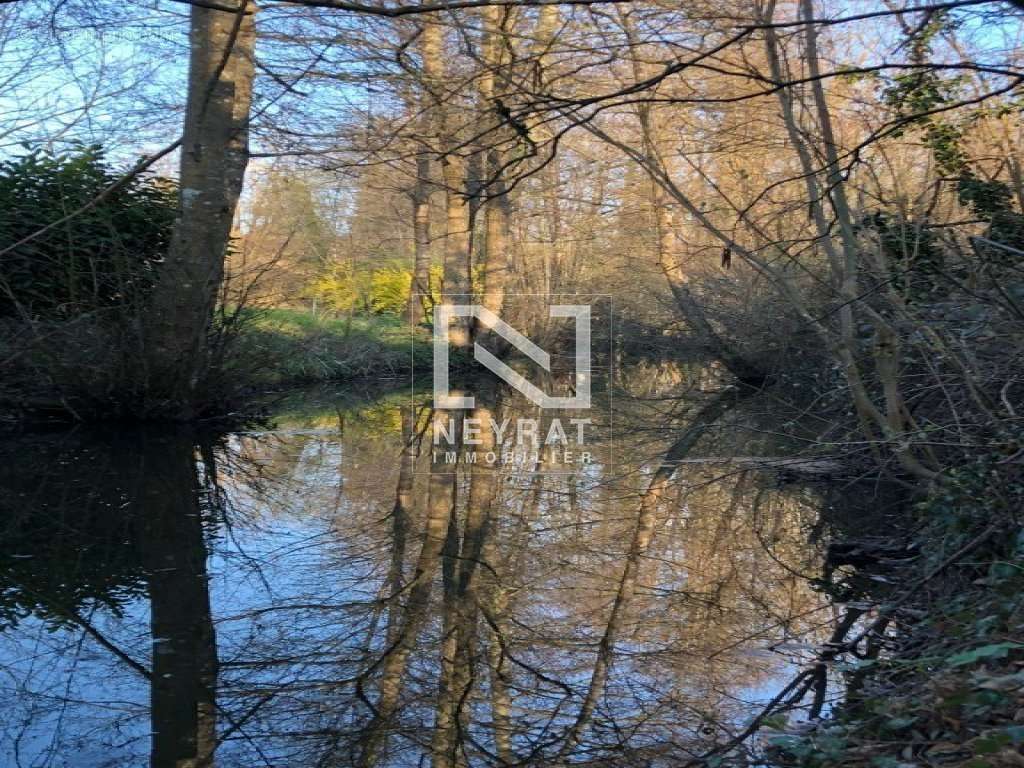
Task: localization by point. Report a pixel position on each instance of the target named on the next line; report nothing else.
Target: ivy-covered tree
(918, 98)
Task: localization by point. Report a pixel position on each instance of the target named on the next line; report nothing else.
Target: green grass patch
(293, 346)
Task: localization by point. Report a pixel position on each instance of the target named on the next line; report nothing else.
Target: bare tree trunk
(214, 155)
(865, 408)
(669, 257)
(419, 299)
(497, 216)
(457, 240)
(431, 52)
(458, 222)
(497, 212)
(543, 38)
(846, 259)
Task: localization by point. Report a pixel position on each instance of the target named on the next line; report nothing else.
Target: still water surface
(307, 593)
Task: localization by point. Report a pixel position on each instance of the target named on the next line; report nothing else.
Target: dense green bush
(103, 257)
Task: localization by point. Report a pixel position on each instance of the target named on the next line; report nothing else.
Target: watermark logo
(443, 315)
(540, 416)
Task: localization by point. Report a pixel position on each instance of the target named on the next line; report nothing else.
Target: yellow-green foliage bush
(389, 290)
(347, 289)
(341, 288)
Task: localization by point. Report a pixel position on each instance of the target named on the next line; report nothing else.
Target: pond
(315, 591)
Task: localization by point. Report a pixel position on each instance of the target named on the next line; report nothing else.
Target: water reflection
(320, 594)
(94, 526)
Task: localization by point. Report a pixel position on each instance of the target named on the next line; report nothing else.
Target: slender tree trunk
(431, 41)
(419, 299)
(846, 258)
(457, 268)
(497, 213)
(669, 256)
(497, 217)
(214, 155)
(544, 36)
(457, 288)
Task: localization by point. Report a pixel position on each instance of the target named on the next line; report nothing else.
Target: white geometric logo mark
(443, 313)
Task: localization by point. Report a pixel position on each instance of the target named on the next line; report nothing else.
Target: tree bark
(214, 155)
(419, 299)
(457, 287)
(431, 39)
(544, 36)
(497, 211)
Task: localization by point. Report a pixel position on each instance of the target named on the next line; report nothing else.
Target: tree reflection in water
(111, 523)
(316, 595)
